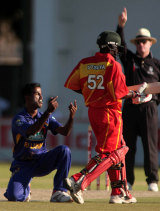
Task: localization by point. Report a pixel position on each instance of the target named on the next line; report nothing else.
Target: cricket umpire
(140, 119)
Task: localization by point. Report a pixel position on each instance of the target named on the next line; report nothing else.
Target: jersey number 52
(95, 82)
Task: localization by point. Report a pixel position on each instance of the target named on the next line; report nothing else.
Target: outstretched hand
(122, 19)
(73, 109)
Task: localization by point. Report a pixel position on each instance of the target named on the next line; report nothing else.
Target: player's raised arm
(65, 130)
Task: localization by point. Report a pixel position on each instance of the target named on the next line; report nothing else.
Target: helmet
(110, 41)
(108, 38)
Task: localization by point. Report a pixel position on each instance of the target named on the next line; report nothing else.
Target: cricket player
(101, 82)
(31, 158)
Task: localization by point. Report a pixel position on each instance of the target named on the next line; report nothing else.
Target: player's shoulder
(19, 114)
(18, 118)
(22, 115)
(112, 60)
(87, 59)
(118, 65)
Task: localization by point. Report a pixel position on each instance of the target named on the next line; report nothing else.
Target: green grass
(144, 203)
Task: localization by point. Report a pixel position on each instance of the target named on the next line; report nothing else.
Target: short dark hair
(29, 88)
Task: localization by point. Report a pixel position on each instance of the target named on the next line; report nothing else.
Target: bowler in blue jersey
(31, 157)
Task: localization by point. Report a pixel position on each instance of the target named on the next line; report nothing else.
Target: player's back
(100, 79)
(96, 75)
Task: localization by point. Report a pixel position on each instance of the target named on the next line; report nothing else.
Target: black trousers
(141, 120)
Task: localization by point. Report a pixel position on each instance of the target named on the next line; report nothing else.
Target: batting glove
(141, 97)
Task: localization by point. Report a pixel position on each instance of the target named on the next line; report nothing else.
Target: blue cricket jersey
(29, 147)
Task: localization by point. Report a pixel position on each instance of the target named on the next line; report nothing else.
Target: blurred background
(42, 41)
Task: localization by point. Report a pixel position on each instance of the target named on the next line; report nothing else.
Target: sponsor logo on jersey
(33, 145)
(37, 137)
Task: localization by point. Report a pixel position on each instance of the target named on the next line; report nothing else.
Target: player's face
(143, 47)
(36, 98)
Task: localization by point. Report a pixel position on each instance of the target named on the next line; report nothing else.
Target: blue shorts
(23, 171)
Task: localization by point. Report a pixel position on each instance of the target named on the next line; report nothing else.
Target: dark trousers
(141, 120)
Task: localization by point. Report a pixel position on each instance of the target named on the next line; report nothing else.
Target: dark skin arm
(65, 130)
(52, 105)
(37, 126)
(131, 94)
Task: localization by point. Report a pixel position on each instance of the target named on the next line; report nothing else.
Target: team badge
(150, 71)
(18, 122)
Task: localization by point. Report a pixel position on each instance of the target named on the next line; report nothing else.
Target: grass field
(94, 200)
